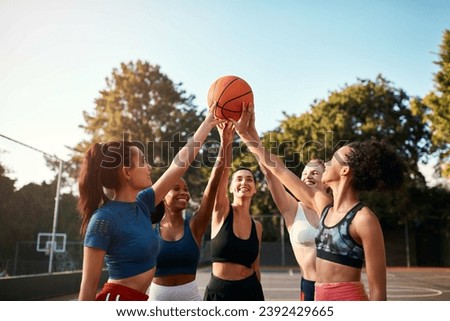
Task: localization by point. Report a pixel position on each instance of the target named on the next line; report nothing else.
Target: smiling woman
(349, 233)
(180, 240)
(301, 221)
(235, 236)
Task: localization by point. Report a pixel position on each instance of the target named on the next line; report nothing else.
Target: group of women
(332, 233)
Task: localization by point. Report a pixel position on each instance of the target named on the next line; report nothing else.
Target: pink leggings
(341, 291)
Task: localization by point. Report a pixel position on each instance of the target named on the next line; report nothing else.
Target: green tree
(435, 108)
(34, 206)
(142, 104)
(30, 210)
(7, 217)
(367, 109)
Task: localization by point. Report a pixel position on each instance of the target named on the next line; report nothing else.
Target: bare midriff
(172, 280)
(139, 282)
(330, 272)
(231, 271)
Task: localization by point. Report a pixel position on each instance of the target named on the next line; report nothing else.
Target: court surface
(403, 284)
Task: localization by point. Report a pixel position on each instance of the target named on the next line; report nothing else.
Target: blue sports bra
(177, 257)
(335, 244)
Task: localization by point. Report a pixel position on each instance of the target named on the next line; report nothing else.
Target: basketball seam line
(225, 89)
(230, 110)
(236, 98)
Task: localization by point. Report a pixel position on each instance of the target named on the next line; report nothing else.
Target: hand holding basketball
(230, 92)
(211, 118)
(245, 126)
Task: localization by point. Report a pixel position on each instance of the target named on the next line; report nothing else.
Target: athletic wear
(302, 235)
(177, 257)
(307, 290)
(301, 231)
(341, 291)
(184, 292)
(227, 247)
(124, 230)
(335, 244)
(117, 292)
(248, 289)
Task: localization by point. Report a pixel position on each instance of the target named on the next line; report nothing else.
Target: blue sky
(56, 54)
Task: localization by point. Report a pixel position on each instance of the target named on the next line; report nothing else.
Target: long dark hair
(100, 169)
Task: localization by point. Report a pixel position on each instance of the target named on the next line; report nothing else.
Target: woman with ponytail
(118, 229)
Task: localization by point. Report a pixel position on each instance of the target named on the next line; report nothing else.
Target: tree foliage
(140, 103)
(28, 211)
(367, 109)
(435, 108)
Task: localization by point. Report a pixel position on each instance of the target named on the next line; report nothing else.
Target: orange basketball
(229, 92)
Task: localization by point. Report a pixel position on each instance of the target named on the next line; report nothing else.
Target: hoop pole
(55, 217)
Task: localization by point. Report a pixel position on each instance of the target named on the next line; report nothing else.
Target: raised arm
(311, 197)
(222, 202)
(285, 202)
(185, 157)
(201, 219)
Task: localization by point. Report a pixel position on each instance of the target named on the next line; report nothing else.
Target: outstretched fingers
(211, 117)
(242, 124)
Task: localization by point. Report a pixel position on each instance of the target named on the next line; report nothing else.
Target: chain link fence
(276, 251)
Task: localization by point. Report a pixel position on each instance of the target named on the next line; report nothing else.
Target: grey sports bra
(335, 244)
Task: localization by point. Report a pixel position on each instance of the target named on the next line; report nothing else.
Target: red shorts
(117, 292)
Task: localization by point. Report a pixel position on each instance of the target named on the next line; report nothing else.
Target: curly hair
(375, 166)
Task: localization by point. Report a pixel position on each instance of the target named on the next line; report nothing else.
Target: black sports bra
(227, 247)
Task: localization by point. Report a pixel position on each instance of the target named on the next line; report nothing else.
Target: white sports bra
(302, 232)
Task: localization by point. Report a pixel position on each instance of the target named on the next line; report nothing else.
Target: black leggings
(307, 290)
(248, 289)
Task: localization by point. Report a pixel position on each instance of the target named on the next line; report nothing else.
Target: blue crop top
(227, 247)
(177, 257)
(124, 230)
(335, 244)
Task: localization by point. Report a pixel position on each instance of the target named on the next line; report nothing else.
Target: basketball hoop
(48, 248)
(44, 243)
